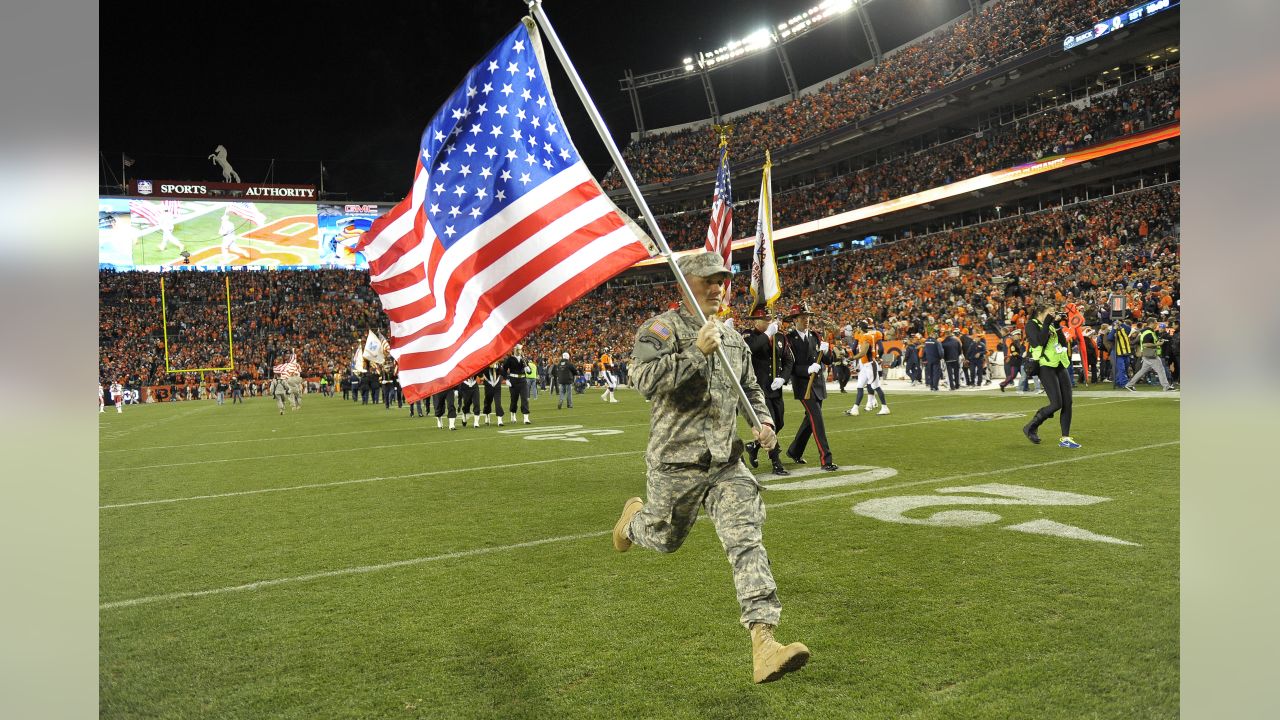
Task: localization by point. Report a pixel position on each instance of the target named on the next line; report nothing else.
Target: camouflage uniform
(293, 384)
(694, 454)
(279, 390)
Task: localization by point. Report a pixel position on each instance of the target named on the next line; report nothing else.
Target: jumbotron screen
(158, 234)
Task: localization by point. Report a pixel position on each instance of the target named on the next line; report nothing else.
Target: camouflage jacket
(695, 406)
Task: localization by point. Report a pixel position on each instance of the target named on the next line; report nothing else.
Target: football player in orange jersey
(606, 375)
(868, 357)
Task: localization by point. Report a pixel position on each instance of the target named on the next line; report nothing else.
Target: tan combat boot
(772, 659)
(621, 542)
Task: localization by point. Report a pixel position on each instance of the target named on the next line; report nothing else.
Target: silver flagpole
(535, 8)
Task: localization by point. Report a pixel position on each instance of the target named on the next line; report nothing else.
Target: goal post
(164, 326)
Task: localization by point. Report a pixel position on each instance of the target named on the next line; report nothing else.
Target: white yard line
(473, 436)
(569, 538)
(356, 481)
(122, 432)
(346, 571)
(408, 428)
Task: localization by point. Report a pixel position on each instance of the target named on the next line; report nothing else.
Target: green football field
(346, 561)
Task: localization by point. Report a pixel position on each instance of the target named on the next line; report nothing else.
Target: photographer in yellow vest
(1048, 348)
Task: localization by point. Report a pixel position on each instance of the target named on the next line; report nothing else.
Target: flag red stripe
(412, 276)
(527, 321)
(502, 292)
(489, 253)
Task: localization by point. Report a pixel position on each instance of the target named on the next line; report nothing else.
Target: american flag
(143, 210)
(289, 368)
(159, 214)
(248, 211)
(504, 226)
(720, 232)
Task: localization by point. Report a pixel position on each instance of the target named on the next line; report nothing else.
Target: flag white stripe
(475, 240)
(546, 285)
(553, 187)
(483, 281)
(503, 221)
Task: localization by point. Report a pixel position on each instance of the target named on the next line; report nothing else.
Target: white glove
(728, 323)
(823, 346)
(772, 329)
(776, 384)
(815, 368)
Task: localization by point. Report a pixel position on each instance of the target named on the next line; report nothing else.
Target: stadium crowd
(1134, 108)
(323, 315)
(1002, 30)
(1079, 253)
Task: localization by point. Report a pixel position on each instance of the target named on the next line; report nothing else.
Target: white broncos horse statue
(219, 157)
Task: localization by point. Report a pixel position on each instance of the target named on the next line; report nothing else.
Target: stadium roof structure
(772, 39)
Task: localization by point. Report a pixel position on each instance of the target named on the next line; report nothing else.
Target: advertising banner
(340, 227)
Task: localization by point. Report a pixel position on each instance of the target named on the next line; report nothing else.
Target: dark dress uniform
(770, 358)
(444, 400)
(805, 351)
(493, 392)
(516, 370)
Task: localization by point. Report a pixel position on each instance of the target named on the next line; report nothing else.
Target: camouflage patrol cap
(702, 264)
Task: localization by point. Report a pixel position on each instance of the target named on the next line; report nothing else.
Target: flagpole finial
(723, 132)
(768, 161)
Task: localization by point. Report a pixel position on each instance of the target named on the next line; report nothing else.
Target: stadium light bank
(765, 38)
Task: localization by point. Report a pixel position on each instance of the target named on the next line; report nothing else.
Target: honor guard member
(772, 362)
(951, 350)
(493, 392)
(469, 399)
(516, 370)
(809, 385)
(694, 454)
(366, 377)
(390, 386)
(440, 401)
(564, 372)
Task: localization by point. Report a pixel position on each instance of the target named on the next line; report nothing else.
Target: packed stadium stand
(982, 94)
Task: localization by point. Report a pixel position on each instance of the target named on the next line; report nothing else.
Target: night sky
(353, 86)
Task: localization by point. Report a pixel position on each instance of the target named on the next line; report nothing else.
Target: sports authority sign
(238, 191)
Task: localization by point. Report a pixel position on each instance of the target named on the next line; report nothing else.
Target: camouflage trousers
(731, 497)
